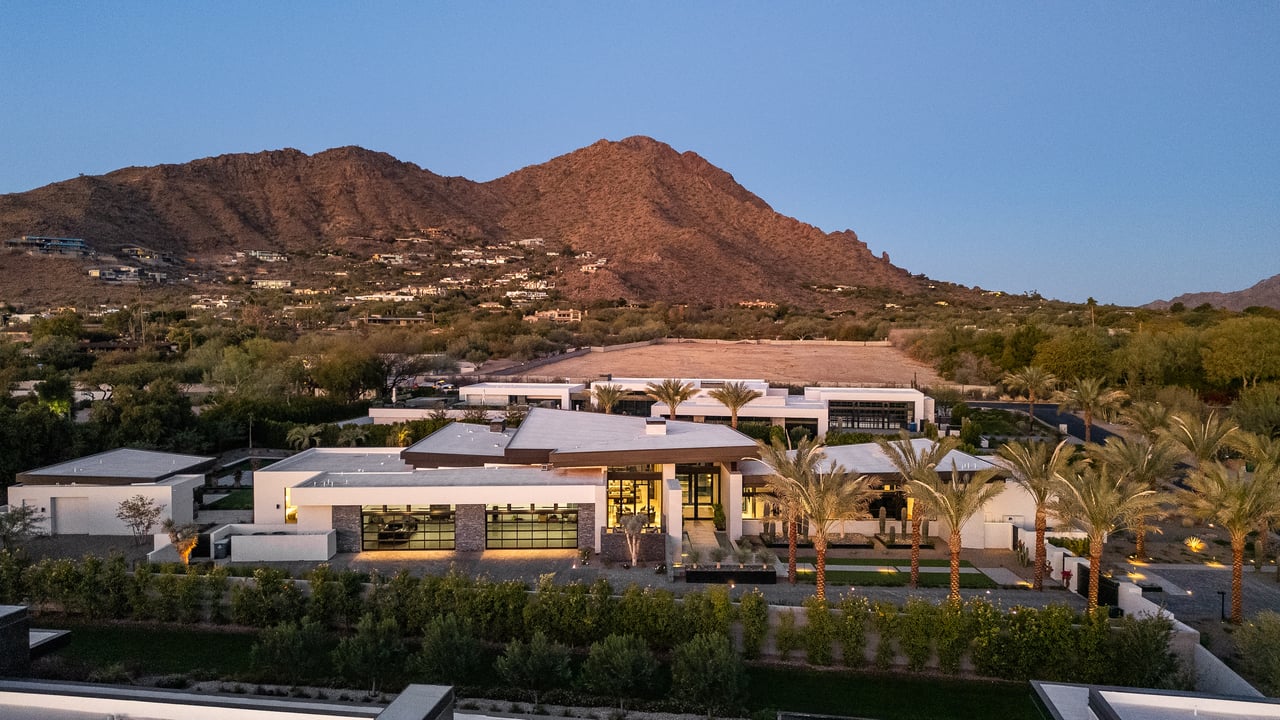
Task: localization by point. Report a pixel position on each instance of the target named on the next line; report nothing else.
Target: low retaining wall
(653, 547)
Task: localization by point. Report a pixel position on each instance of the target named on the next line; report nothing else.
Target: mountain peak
(665, 225)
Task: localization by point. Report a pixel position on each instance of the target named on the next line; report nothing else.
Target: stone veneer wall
(586, 525)
(653, 547)
(469, 528)
(346, 521)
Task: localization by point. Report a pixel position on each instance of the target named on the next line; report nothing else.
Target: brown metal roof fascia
(80, 479)
(528, 456)
(435, 460)
(657, 457)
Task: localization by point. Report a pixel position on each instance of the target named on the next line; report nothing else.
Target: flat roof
(342, 460)
(568, 431)
(124, 463)
(559, 387)
(870, 459)
(1066, 701)
(460, 438)
(453, 477)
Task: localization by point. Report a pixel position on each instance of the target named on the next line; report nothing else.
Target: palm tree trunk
(1088, 424)
(1042, 524)
(820, 548)
(915, 548)
(1237, 579)
(1095, 572)
(792, 531)
(733, 419)
(1140, 540)
(955, 565)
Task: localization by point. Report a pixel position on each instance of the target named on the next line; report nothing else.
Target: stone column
(587, 525)
(346, 521)
(469, 528)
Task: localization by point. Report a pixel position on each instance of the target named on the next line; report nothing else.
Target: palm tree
(1147, 417)
(1203, 437)
(300, 437)
(1092, 398)
(1144, 462)
(1239, 502)
(1038, 469)
(1099, 504)
(1035, 381)
(606, 396)
(352, 435)
(822, 493)
(913, 464)
(1257, 449)
(671, 392)
(734, 396)
(955, 501)
(793, 464)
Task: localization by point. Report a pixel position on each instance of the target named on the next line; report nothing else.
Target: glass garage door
(407, 527)
(536, 526)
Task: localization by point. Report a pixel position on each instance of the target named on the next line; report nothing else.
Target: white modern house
(80, 497)
(560, 480)
(554, 395)
(996, 526)
(822, 409)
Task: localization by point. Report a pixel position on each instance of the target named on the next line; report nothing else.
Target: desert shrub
(450, 653)
(754, 613)
(915, 629)
(851, 629)
(291, 651)
(1259, 643)
(620, 666)
(538, 665)
(707, 672)
(884, 617)
(1137, 654)
(819, 632)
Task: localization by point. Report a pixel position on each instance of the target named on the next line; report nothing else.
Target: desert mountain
(669, 225)
(1264, 294)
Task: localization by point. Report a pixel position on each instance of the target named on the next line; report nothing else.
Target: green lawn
(888, 696)
(239, 499)
(888, 562)
(159, 651)
(855, 578)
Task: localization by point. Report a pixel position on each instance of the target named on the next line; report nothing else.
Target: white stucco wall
(97, 510)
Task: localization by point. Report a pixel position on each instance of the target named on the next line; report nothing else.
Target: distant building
(555, 316)
(270, 256)
(44, 245)
(273, 284)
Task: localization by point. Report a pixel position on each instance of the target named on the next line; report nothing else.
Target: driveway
(1048, 413)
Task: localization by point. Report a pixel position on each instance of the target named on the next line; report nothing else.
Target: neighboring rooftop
(869, 459)
(467, 439)
(342, 460)
(451, 477)
(1089, 702)
(121, 466)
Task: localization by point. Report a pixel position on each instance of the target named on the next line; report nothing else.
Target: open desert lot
(790, 364)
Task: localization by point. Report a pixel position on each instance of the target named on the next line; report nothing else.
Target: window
(633, 489)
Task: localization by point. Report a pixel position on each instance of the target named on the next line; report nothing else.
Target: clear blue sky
(1126, 151)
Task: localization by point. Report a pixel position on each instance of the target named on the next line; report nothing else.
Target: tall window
(634, 489)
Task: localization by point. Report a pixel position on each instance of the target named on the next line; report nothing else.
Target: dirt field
(797, 364)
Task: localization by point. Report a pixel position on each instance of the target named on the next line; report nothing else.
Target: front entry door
(698, 491)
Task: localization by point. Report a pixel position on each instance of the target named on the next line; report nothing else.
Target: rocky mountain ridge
(669, 225)
(1265, 293)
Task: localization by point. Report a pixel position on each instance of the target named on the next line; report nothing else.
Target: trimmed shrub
(707, 672)
(620, 666)
(754, 613)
